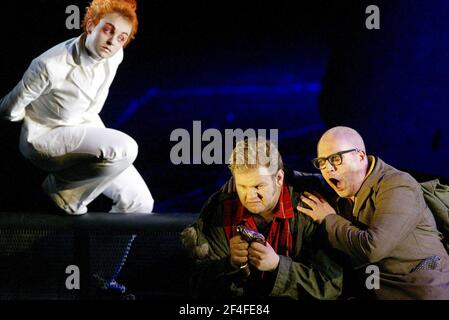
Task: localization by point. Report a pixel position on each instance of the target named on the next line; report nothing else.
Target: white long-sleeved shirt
(63, 87)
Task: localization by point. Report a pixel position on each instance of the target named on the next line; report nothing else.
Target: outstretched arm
(395, 216)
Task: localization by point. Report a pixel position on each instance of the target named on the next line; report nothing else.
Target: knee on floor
(136, 205)
(147, 205)
(142, 203)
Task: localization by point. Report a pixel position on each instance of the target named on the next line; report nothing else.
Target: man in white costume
(59, 99)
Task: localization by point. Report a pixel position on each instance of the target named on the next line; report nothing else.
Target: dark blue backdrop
(299, 67)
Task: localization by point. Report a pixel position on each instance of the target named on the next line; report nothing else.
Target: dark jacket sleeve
(321, 279)
(311, 271)
(213, 276)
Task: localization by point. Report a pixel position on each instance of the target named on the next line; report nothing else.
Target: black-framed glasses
(334, 159)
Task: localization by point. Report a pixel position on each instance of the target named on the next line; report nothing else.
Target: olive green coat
(395, 231)
(309, 273)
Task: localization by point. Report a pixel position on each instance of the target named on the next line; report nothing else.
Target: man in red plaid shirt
(291, 263)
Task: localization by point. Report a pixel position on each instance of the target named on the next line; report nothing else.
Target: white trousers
(100, 164)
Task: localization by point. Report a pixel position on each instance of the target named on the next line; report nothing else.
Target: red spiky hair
(99, 8)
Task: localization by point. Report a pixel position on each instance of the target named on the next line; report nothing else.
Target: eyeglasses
(334, 159)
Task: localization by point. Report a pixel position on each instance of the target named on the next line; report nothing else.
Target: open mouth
(335, 182)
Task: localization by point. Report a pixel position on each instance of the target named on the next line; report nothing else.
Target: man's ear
(280, 178)
(362, 155)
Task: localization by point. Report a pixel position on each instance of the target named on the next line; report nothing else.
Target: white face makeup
(110, 35)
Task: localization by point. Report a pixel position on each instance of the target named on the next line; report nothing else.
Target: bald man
(380, 218)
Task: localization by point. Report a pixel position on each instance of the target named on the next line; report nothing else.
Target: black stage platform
(36, 249)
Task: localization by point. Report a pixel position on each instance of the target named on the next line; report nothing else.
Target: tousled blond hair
(251, 153)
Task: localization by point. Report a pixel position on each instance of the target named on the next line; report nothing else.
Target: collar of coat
(279, 235)
(75, 57)
(221, 197)
(374, 174)
(85, 59)
(77, 61)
